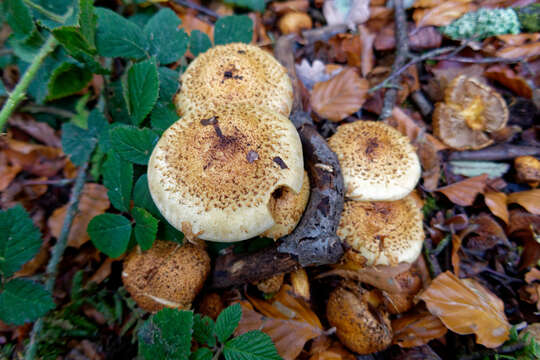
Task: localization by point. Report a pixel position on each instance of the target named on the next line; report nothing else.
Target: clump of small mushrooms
(231, 168)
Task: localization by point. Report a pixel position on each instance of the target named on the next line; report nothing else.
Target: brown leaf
(529, 199)
(496, 202)
(532, 275)
(456, 245)
(507, 77)
(519, 39)
(432, 3)
(484, 233)
(368, 59)
(464, 192)
(324, 348)
(103, 271)
(423, 38)
(466, 307)
(36, 159)
(521, 220)
(7, 172)
(38, 130)
(340, 96)
(442, 14)
(417, 329)
(287, 6)
(94, 201)
(522, 51)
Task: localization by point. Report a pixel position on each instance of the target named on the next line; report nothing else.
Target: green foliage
(133, 144)
(142, 198)
(203, 330)
(19, 18)
(483, 23)
(167, 42)
(118, 179)
(23, 301)
(227, 321)
(67, 79)
(234, 28)
(141, 90)
(529, 17)
(257, 5)
(146, 227)
(253, 345)
(163, 116)
(199, 42)
(110, 234)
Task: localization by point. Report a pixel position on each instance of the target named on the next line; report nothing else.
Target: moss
(529, 17)
(482, 24)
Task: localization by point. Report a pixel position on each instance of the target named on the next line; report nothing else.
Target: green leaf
(253, 345)
(228, 321)
(118, 37)
(234, 28)
(20, 240)
(169, 233)
(87, 21)
(78, 143)
(98, 126)
(163, 116)
(142, 197)
(118, 179)
(72, 39)
(67, 79)
(3, 91)
(19, 18)
(203, 330)
(23, 301)
(141, 90)
(49, 12)
(110, 234)
(201, 354)
(168, 84)
(168, 42)
(145, 227)
(116, 103)
(257, 5)
(133, 144)
(199, 42)
(166, 335)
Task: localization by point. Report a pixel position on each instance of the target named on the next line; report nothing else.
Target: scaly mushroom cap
(217, 169)
(166, 275)
(383, 232)
(470, 111)
(235, 73)
(378, 163)
(287, 209)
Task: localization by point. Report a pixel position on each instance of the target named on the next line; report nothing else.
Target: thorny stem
(57, 252)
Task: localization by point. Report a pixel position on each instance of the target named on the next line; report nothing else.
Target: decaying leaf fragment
(464, 192)
(417, 329)
(529, 199)
(467, 307)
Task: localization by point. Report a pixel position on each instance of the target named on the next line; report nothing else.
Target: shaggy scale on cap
(218, 167)
(378, 163)
(235, 73)
(383, 232)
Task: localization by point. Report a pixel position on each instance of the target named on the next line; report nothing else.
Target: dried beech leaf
(532, 275)
(496, 202)
(324, 348)
(464, 192)
(522, 221)
(522, 51)
(38, 130)
(417, 329)
(442, 14)
(529, 199)
(456, 245)
(368, 59)
(7, 172)
(340, 96)
(507, 77)
(432, 3)
(466, 307)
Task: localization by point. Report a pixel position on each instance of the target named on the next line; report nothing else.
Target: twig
(32, 108)
(423, 104)
(494, 153)
(488, 60)
(198, 7)
(57, 252)
(59, 182)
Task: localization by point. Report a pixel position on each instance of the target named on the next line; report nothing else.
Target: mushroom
(471, 111)
(166, 275)
(287, 209)
(527, 170)
(237, 74)
(378, 163)
(294, 22)
(360, 325)
(271, 285)
(218, 167)
(382, 232)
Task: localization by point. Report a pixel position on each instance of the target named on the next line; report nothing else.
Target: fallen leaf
(532, 275)
(433, 3)
(442, 14)
(523, 51)
(464, 192)
(310, 74)
(456, 245)
(417, 329)
(340, 96)
(38, 130)
(368, 59)
(507, 77)
(325, 348)
(103, 271)
(348, 12)
(496, 202)
(484, 233)
(281, 8)
(7, 172)
(529, 199)
(521, 220)
(519, 39)
(427, 37)
(36, 159)
(467, 307)
(94, 201)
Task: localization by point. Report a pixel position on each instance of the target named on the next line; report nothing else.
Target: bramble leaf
(142, 197)
(203, 330)
(163, 116)
(227, 322)
(118, 37)
(133, 144)
(19, 18)
(110, 234)
(168, 84)
(146, 227)
(168, 42)
(199, 42)
(118, 179)
(67, 79)
(257, 5)
(202, 354)
(234, 28)
(253, 345)
(24, 301)
(141, 89)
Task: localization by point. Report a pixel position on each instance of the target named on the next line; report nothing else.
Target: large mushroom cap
(383, 232)
(378, 163)
(236, 73)
(218, 167)
(470, 111)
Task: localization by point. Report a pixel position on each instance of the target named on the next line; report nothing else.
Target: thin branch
(33, 109)
(488, 60)
(198, 7)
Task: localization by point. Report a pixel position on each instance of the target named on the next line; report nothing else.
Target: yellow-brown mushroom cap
(377, 162)
(383, 232)
(166, 275)
(287, 208)
(235, 73)
(218, 167)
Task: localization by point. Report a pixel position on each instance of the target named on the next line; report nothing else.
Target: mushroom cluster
(381, 225)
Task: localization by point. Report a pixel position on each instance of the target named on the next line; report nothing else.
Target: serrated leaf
(234, 28)
(141, 90)
(118, 179)
(202, 354)
(168, 41)
(163, 116)
(169, 233)
(142, 197)
(199, 42)
(110, 234)
(253, 345)
(168, 84)
(23, 301)
(227, 322)
(118, 37)
(19, 18)
(78, 143)
(145, 228)
(116, 103)
(72, 39)
(133, 144)
(166, 335)
(20, 240)
(67, 79)
(87, 21)
(58, 8)
(98, 126)
(257, 5)
(203, 330)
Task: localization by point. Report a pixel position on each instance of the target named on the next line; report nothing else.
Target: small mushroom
(287, 209)
(294, 22)
(471, 111)
(378, 163)
(527, 170)
(236, 74)
(360, 325)
(166, 275)
(218, 167)
(383, 232)
(271, 285)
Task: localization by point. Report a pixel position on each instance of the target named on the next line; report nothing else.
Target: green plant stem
(47, 13)
(18, 94)
(57, 252)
